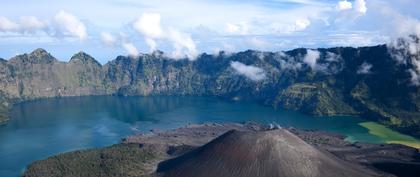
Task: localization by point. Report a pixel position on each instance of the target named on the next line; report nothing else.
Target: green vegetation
(390, 136)
(314, 99)
(121, 160)
(333, 88)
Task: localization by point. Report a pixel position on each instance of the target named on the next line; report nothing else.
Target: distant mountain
(377, 83)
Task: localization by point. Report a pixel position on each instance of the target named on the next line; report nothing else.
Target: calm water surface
(46, 127)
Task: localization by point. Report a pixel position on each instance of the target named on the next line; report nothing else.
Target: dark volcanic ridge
(233, 150)
(274, 153)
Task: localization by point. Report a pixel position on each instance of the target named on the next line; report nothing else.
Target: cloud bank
(130, 49)
(71, 25)
(311, 58)
(364, 68)
(63, 24)
(251, 72)
(149, 25)
(108, 39)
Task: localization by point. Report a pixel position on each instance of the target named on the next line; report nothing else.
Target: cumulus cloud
(405, 47)
(130, 48)
(63, 24)
(31, 23)
(406, 51)
(25, 24)
(301, 24)
(364, 68)
(331, 63)
(311, 58)
(183, 44)
(415, 77)
(151, 43)
(398, 24)
(350, 11)
(71, 25)
(251, 72)
(7, 25)
(344, 5)
(241, 28)
(287, 62)
(149, 25)
(360, 6)
(108, 39)
(332, 57)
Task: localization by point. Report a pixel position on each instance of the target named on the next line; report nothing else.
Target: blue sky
(107, 28)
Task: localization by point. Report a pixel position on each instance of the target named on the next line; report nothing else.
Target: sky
(186, 28)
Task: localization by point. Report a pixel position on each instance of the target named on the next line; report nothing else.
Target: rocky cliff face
(366, 81)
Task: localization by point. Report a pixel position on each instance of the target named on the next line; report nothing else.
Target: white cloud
(252, 72)
(287, 62)
(301, 24)
(364, 68)
(415, 77)
(183, 44)
(26, 24)
(31, 23)
(332, 57)
(406, 51)
(7, 25)
(71, 25)
(404, 48)
(108, 39)
(130, 48)
(360, 6)
(348, 11)
(311, 58)
(151, 43)
(241, 28)
(344, 5)
(149, 26)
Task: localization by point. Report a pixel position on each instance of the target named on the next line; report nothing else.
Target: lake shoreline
(164, 145)
(74, 123)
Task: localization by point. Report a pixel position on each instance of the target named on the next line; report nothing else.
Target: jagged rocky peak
(39, 52)
(157, 53)
(83, 58)
(39, 56)
(2, 60)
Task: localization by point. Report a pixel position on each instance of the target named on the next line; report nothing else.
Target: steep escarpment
(367, 81)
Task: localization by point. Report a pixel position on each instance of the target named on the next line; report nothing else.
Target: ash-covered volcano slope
(192, 149)
(274, 153)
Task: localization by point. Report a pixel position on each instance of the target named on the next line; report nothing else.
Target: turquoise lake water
(42, 128)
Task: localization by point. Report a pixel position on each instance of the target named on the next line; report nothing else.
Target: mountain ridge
(332, 85)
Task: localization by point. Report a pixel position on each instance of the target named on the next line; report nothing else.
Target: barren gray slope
(258, 154)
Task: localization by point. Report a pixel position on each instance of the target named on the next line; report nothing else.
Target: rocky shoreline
(140, 155)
